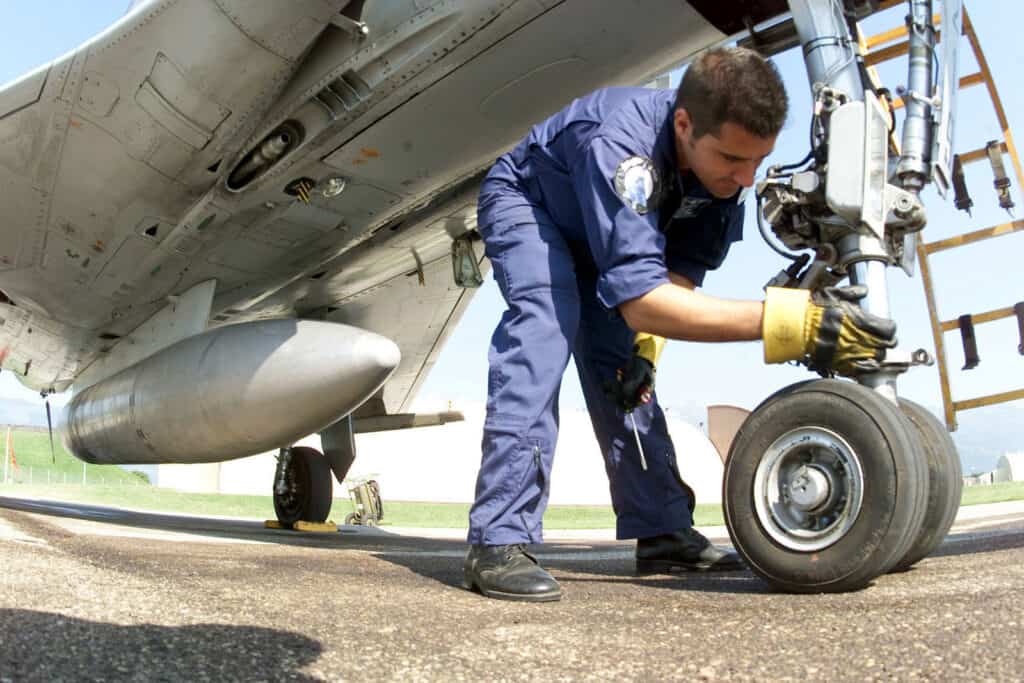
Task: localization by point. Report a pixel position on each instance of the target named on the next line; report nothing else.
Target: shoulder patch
(636, 181)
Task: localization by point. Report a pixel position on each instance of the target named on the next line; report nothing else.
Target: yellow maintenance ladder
(881, 48)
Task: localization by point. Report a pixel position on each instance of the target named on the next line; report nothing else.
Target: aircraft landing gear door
(831, 483)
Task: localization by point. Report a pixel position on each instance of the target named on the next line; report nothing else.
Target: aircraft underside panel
(167, 152)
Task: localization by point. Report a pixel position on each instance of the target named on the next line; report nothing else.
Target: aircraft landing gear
(831, 483)
(303, 490)
(826, 488)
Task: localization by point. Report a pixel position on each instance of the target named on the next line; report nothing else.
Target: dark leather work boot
(685, 550)
(508, 572)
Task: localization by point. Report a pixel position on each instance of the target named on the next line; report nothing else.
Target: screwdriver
(636, 434)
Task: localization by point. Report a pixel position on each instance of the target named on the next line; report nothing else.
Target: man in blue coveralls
(599, 226)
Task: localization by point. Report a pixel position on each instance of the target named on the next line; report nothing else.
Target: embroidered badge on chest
(636, 181)
(691, 206)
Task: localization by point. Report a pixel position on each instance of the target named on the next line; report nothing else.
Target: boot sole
(515, 597)
(648, 567)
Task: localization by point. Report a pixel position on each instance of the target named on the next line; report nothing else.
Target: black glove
(635, 383)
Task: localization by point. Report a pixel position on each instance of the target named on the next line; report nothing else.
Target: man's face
(724, 162)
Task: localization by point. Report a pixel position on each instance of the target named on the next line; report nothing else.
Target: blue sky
(969, 280)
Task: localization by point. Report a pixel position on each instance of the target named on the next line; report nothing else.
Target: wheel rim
(808, 489)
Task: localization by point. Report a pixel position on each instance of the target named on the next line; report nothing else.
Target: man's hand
(828, 331)
(635, 385)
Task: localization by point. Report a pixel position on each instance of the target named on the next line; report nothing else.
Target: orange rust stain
(357, 162)
(75, 124)
(369, 152)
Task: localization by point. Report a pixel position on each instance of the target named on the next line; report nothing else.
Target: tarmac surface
(92, 593)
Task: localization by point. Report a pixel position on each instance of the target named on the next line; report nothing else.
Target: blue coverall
(566, 250)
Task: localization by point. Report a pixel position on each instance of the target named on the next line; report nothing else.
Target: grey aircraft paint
(118, 193)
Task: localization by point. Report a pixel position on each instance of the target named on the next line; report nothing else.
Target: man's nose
(744, 174)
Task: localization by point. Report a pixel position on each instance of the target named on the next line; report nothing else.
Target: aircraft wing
(313, 159)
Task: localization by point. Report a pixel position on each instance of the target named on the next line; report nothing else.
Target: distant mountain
(25, 413)
(987, 433)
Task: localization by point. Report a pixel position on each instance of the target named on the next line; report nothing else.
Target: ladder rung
(979, 154)
(976, 236)
(986, 317)
(894, 34)
(989, 400)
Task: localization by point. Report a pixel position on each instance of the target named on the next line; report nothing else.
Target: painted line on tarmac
(9, 532)
(986, 523)
(108, 530)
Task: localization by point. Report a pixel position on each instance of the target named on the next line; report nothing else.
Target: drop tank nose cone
(379, 355)
(232, 391)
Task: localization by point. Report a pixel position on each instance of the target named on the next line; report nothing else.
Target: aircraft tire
(824, 487)
(310, 488)
(945, 483)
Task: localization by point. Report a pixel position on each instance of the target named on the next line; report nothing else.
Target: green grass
(36, 464)
(455, 515)
(396, 513)
(993, 493)
(110, 485)
(130, 493)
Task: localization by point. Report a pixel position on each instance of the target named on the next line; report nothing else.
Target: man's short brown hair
(736, 85)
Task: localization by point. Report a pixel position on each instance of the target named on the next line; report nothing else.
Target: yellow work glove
(827, 330)
(635, 381)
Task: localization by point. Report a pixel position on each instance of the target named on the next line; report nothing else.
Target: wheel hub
(808, 489)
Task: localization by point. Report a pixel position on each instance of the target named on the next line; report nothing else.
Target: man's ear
(681, 121)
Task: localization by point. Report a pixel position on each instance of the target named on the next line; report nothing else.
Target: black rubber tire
(311, 488)
(945, 483)
(894, 478)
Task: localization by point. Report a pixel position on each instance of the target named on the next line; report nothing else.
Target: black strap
(828, 337)
(961, 197)
(1018, 310)
(971, 358)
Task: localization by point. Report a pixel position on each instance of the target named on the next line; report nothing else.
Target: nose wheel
(826, 487)
(945, 482)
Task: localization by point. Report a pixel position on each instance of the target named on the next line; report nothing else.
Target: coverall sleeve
(627, 246)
